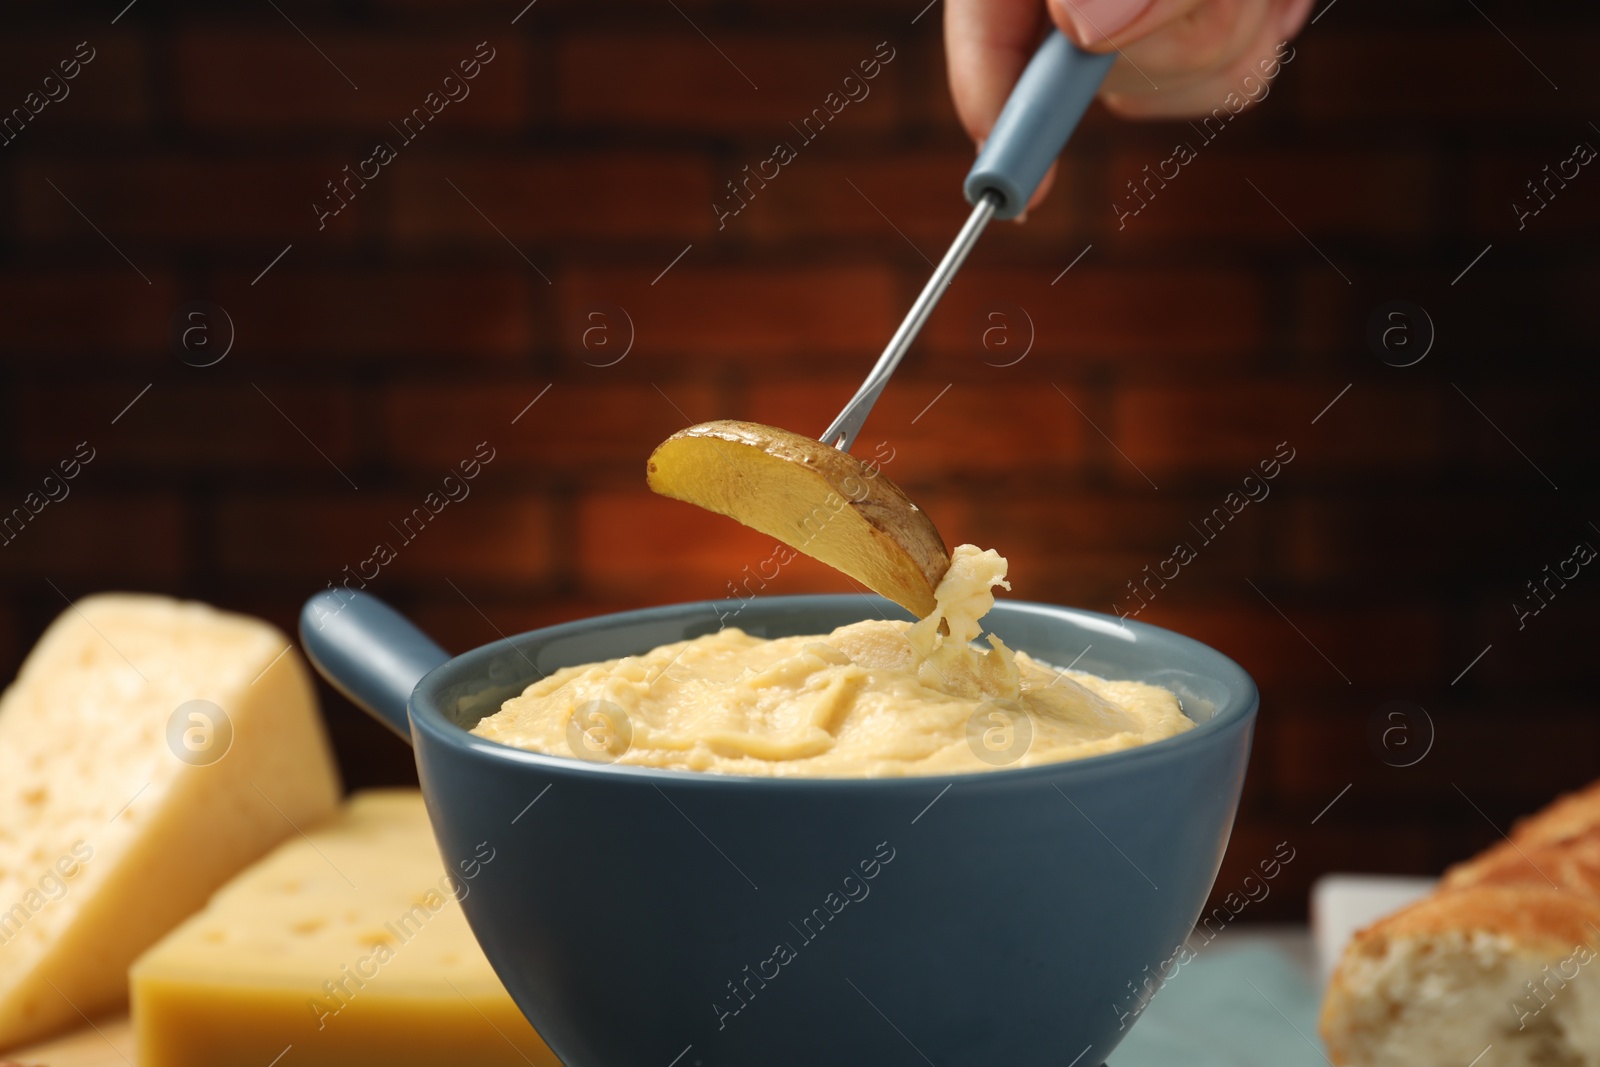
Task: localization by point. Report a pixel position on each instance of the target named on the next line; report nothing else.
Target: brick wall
(375, 349)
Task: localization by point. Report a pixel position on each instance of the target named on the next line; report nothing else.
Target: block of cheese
(150, 749)
(344, 948)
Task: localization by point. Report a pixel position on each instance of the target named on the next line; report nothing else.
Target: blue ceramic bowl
(674, 918)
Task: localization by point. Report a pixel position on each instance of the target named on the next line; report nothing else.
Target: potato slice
(815, 499)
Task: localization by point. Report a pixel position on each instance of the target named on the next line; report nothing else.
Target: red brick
(1521, 434)
(1503, 208)
(693, 88)
(1570, 313)
(90, 311)
(1054, 232)
(1545, 651)
(1105, 315)
(1471, 75)
(928, 104)
(572, 428)
(782, 312)
(918, 195)
(627, 195)
(95, 537)
(11, 650)
(109, 91)
(1314, 756)
(1092, 580)
(1513, 300)
(185, 427)
(1242, 424)
(1333, 197)
(1398, 537)
(1048, 562)
(638, 545)
(1089, 544)
(187, 199)
(485, 613)
(312, 539)
(547, 14)
(272, 78)
(977, 430)
(1328, 319)
(471, 312)
(458, 625)
(1356, 640)
(1085, 520)
(777, 18)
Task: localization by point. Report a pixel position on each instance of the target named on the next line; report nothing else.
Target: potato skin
(816, 499)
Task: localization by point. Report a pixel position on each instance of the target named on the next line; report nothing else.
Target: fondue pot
(667, 918)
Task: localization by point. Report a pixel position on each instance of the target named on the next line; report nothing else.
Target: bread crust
(1570, 818)
(1537, 922)
(1535, 917)
(1572, 864)
(1535, 895)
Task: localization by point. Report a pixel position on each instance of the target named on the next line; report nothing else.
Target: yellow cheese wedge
(150, 749)
(344, 948)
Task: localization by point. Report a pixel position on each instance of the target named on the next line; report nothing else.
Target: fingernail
(1099, 20)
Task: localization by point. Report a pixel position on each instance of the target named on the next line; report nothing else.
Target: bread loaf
(1498, 968)
(1560, 842)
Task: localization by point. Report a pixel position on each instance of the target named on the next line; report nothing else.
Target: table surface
(1249, 998)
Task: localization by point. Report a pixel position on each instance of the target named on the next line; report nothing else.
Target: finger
(1100, 25)
(1045, 185)
(1242, 82)
(1210, 40)
(987, 44)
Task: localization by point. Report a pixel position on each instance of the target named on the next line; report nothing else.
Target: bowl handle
(369, 652)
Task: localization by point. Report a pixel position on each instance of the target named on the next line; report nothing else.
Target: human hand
(1177, 58)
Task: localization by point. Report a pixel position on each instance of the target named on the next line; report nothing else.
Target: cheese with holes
(150, 749)
(346, 947)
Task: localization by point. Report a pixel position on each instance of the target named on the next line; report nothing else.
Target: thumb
(987, 45)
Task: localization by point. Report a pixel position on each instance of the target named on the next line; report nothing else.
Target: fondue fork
(1042, 111)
